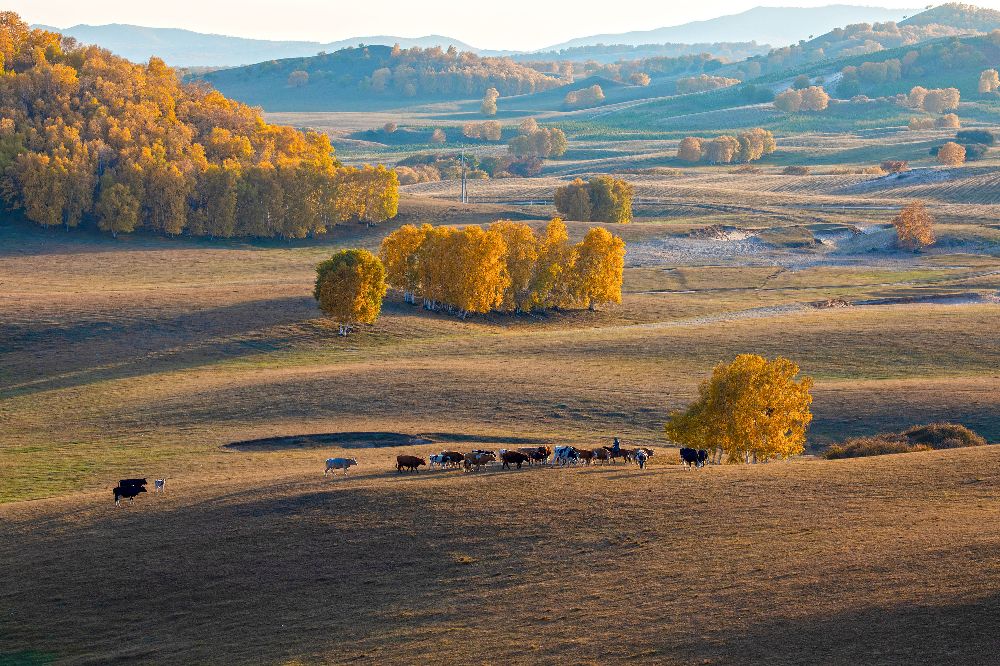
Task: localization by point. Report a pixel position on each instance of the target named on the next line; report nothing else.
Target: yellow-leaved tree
(521, 246)
(350, 286)
(599, 265)
(914, 226)
(399, 256)
(750, 409)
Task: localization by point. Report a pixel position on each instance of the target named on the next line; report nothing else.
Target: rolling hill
(772, 25)
(186, 48)
(376, 77)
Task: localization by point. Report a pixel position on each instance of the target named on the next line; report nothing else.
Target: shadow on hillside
(45, 357)
(956, 633)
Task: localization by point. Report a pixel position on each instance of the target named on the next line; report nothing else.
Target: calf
(409, 463)
(513, 458)
(640, 457)
(129, 492)
(635, 452)
(158, 485)
(436, 459)
(339, 463)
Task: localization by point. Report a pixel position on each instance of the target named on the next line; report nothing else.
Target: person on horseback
(616, 447)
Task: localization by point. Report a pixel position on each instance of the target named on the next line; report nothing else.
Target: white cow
(563, 455)
(339, 463)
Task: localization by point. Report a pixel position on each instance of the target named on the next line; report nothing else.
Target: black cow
(131, 483)
(694, 457)
(127, 492)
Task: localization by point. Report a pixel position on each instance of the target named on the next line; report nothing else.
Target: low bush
(918, 438)
(944, 436)
(796, 171)
(880, 445)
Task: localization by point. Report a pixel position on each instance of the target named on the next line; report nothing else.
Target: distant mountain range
(186, 48)
(778, 26)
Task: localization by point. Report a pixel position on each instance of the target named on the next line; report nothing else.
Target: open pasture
(146, 356)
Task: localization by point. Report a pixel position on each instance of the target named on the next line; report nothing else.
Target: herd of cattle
(562, 455)
(474, 461)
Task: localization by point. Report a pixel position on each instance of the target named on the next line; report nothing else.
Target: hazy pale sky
(517, 24)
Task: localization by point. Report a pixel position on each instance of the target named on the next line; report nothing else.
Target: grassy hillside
(261, 559)
(376, 76)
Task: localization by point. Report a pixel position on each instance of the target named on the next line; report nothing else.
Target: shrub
(948, 121)
(982, 136)
(974, 151)
(880, 445)
(944, 436)
(795, 171)
(390, 127)
(895, 166)
(639, 79)
(921, 123)
(438, 136)
(918, 438)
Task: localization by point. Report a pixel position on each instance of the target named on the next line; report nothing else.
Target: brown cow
(535, 454)
(477, 459)
(620, 453)
(586, 455)
(603, 454)
(513, 458)
(409, 462)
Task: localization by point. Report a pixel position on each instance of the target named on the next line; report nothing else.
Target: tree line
(746, 147)
(87, 136)
(506, 267)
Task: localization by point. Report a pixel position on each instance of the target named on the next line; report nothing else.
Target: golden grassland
(146, 356)
(877, 561)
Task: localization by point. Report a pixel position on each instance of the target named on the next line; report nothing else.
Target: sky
(508, 24)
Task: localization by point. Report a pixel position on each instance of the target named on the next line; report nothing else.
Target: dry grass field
(147, 356)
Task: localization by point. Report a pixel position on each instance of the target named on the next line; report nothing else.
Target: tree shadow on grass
(116, 349)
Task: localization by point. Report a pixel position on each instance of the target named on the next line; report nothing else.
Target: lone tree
(751, 410)
(951, 154)
(914, 227)
(489, 106)
(350, 286)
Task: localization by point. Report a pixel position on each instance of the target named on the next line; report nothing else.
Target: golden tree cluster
(88, 136)
(935, 100)
(813, 98)
(746, 147)
(584, 98)
(750, 410)
(603, 199)
(505, 267)
(489, 130)
(537, 142)
(703, 82)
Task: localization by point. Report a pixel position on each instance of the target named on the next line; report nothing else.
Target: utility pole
(465, 191)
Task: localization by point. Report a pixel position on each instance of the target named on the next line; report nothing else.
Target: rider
(616, 447)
